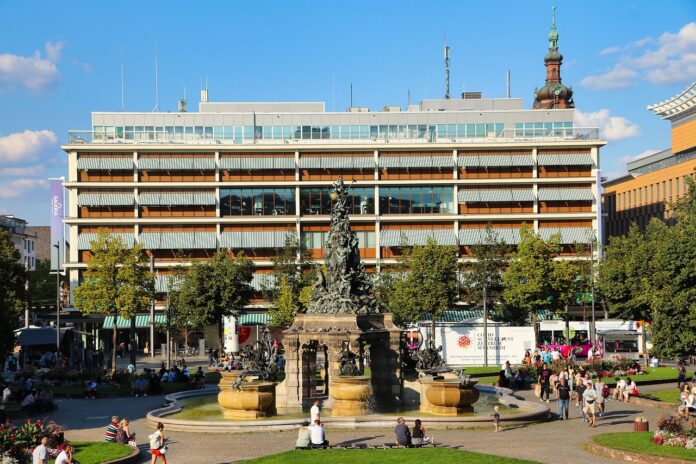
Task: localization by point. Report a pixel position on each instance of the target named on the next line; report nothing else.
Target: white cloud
(618, 77)
(23, 146)
(610, 127)
(24, 171)
(19, 187)
(669, 59)
(30, 72)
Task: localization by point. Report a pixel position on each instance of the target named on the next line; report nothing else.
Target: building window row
(660, 192)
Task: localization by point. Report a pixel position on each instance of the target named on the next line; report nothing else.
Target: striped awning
(416, 162)
(337, 162)
(254, 319)
(568, 194)
(493, 160)
(257, 163)
(141, 321)
(176, 164)
(179, 240)
(495, 195)
(179, 198)
(105, 199)
(105, 163)
(254, 239)
(459, 315)
(565, 159)
(478, 236)
(391, 238)
(84, 241)
(570, 235)
(261, 280)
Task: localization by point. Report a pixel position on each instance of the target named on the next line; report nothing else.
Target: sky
(59, 61)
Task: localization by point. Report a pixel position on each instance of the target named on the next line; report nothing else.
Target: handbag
(163, 450)
(537, 390)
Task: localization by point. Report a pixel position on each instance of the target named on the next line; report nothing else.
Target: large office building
(240, 176)
(653, 183)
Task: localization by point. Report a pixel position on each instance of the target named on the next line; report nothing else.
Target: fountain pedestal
(447, 397)
(251, 400)
(350, 396)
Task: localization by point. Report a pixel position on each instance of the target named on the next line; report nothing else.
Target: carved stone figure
(429, 358)
(348, 362)
(345, 289)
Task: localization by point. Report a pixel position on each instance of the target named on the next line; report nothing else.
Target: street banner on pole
(57, 212)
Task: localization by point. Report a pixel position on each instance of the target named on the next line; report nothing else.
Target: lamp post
(57, 247)
(152, 312)
(592, 279)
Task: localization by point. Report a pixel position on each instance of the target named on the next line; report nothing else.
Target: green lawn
(670, 395)
(479, 370)
(654, 374)
(641, 442)
(95, 452)
(384, 456)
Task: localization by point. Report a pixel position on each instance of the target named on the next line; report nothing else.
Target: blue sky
(59, 61)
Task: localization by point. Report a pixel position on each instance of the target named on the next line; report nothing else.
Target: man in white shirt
(314, 412)
(28, 400)
(40, 453)
(317, 434)
(619, 389)
(6, 394)
(65, 456)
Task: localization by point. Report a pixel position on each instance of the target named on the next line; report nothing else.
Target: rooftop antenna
(182, 103)
(408, 93)
(122, 99)
(156, 108)
(507, 86)
(447, 72)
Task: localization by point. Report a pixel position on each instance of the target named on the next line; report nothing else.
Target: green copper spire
(553, 35)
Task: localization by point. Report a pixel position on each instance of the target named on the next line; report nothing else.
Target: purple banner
(57, 228)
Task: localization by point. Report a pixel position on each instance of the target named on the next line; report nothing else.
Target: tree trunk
(645, 344)
(221, 335)
(131, 336)
(432, 328)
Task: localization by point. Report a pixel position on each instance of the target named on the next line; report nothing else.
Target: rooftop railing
(77, 137)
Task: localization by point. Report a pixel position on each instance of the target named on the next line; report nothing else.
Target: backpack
(154, 441)
(605, 392)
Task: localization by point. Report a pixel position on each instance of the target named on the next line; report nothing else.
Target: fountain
(441, 393)
(250, 393)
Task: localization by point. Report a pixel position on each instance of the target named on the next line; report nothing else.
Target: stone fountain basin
(448, 397)
(350, 394)
(253, 399)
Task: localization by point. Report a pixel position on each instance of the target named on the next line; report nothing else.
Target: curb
(130, 459)
(630, 456)
(654, 404)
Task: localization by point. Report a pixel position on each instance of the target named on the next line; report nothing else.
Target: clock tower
(553, 94)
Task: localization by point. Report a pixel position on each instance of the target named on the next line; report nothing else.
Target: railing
(506, 135)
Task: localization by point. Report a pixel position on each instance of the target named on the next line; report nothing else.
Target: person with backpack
(563, 396)
(590, 397)
(544, 380)
(158, 448)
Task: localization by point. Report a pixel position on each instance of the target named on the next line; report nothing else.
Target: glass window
(416, 200)
(257, 202)
(360, 200)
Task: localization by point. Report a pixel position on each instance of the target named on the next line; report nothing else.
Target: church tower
(553, 94)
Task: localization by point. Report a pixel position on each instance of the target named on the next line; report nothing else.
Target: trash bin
(641, 426)
(164, 350)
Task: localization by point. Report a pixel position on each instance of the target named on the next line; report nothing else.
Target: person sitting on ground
(419, 438)
(65, 456)
(403, 434)
(140, 386)
(155, 387)
(90, 389)
(630, 390)
(619, 389)
(318, 435)
(124, 435)
(112, 430)
(199, 375)
(502, 380)
(690, 402)
(527, 361)
(28, 401)
(303, 436)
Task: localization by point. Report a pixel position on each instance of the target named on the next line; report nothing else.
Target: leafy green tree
(528, 281)
(117, 282)
(486, 272)
(286, 306)
(42, 284)
(12, 292)
(430, 286)
(216, 289)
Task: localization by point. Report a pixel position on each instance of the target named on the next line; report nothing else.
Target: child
(496, 418)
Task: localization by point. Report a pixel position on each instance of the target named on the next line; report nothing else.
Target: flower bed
(676, 432)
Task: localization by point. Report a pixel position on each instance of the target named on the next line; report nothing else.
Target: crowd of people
(29, 398)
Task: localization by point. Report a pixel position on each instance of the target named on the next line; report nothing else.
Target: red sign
(243, 332)
(464, 341)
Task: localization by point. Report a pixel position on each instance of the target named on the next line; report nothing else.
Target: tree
(430, 286)
(286, 306)
(486, 272)
(117, 282)
(12, 293)
(216, 289)
(42, 284)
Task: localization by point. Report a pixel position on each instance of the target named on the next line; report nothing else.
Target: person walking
(602, 392)
(40, 453)
(590, 397)
(496, 418)
(579, 398)
(158, 446)
(314, 412)
(563, 396)
(544, 380)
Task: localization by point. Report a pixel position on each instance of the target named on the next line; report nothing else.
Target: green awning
(141, 321)
(565, 159)
(254, 319)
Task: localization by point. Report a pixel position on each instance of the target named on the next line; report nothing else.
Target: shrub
(671, 424)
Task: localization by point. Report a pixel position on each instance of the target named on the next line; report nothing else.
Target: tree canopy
(12, 293)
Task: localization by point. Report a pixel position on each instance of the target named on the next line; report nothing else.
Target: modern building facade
(24, 240)
(655, 182)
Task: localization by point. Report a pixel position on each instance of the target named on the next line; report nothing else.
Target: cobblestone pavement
(546, 442)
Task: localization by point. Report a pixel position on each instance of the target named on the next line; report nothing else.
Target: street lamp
(57, 247)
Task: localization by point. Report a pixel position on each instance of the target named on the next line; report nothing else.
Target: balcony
(426, 138)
